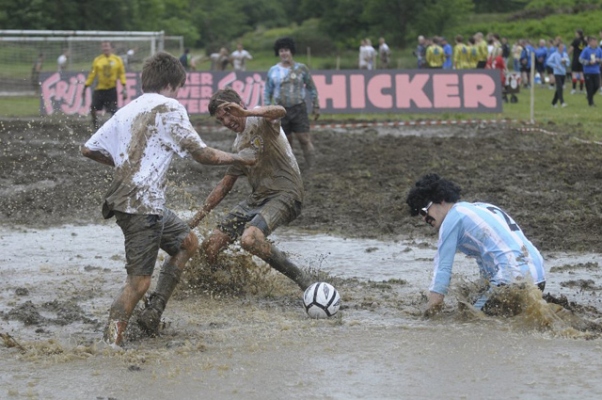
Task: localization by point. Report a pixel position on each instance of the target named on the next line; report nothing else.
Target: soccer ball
(321, 300)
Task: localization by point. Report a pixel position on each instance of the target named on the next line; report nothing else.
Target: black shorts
(105, 98)
(296, 119)
(577, 67)
(145, 234)
(266, 217)
(550, 70)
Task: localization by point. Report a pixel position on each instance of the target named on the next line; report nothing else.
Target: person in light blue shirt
(559, 61)
(590, 58)
(480, 230)
(286, 85)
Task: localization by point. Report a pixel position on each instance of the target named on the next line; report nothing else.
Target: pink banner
(338, 91)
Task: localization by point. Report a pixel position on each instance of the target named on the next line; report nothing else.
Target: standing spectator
(525, 62)
(434, 54)
(363, 55)
(448, 53)
(108, 69)
(62, 60)
(239, 58)
(36, 68)
(575, 50)
(384, 53)
(139, 143)
(286, 85)
(420, 52)
(482, 51)
(461, 54)
(517, 50)
(473, 53)
(559, 61)
(505, 50)
(590, 59)
(371, 54)
(549, 69)
(220, 61)
(541, 55)
(185, 59)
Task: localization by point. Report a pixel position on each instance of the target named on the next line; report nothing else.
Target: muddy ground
(551, 185)
(244, 335)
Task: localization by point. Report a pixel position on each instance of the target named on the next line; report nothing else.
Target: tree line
(205, 23)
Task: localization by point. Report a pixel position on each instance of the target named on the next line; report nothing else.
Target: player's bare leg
(213, 245)
(254, 241)
(94, 117)
(308, 149)
(121, 309)
(170, 274)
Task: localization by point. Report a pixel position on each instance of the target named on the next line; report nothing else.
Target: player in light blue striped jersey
(480, 230)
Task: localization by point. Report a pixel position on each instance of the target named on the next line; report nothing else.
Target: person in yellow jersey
(473, 54)
(107, 68)
(482, 51)
(434, 54)
(461, 54)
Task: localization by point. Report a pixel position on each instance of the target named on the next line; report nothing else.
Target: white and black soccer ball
(321, 300)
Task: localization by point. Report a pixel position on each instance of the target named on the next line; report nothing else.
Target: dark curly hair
(284, 43)
(433, 188)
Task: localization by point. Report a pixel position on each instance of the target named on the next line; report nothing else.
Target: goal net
(26, 53)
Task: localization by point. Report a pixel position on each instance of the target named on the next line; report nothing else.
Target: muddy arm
(210, 156)
(215, 197)
(98, 156)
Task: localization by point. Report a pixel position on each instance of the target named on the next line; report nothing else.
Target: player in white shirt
(480, 230)
(239, 58)
(139, 142)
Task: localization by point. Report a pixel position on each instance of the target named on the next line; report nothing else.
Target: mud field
(242, 333)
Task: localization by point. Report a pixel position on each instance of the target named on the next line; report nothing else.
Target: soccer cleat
(564, 105)
(573, 91)
(555, 105)
(150, 321)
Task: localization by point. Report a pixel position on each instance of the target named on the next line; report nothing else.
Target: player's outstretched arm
(211, 156)
(267, 112)
(215, 197)
(98, 156)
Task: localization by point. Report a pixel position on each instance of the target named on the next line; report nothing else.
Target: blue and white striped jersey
(287, 86)
(485, 232)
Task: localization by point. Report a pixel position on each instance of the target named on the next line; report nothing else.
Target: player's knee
(252, 239)
(190, 243)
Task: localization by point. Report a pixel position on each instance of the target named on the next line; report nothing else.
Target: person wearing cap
(481, 230)
(287, 85)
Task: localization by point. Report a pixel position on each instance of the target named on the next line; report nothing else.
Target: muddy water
(56, 286)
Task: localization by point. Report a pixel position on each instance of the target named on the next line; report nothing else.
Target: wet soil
(550, 184)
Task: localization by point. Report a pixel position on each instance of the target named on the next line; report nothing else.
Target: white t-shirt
(62, 62)
(238, 59)
(141, 138)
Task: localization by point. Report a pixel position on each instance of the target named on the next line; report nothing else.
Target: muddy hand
(233, 109)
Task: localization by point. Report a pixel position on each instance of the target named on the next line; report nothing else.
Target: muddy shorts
(266, 217)
(296, 119)
(106, 98)
(145, 234)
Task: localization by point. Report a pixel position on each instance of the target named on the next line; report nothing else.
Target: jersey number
(513, 227)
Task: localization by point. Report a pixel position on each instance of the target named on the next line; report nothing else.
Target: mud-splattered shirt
(276, 171)
(491, 236)
(141, 138)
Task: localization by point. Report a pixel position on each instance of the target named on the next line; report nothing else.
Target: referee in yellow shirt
(107, 68)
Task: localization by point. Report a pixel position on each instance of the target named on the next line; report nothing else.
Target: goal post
(22, 52)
